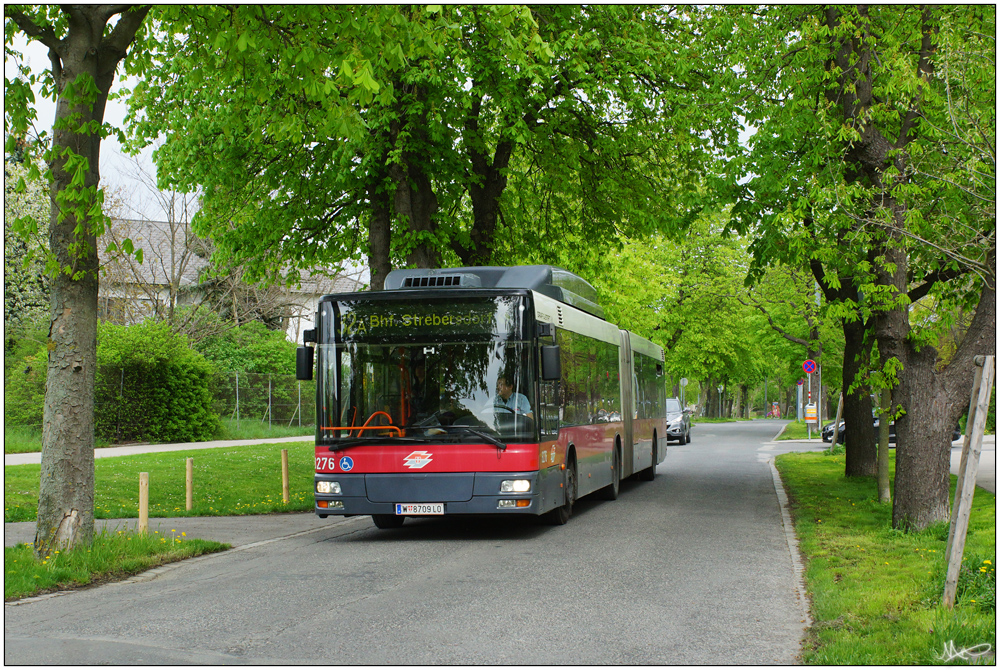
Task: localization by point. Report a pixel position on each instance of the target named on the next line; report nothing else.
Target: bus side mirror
(551, 369)
(304, 363)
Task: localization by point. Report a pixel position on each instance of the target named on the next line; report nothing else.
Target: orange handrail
(399, 431)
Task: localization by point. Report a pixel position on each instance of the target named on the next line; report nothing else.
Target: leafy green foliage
(25, 372)
(332, 119)
(250, 348)
(152, 386)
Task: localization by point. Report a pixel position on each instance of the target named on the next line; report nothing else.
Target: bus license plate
(419, 508)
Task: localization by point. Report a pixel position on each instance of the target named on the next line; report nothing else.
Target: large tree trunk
(66, 489)
(859, 439)
(935, 399)
(489, 179)
(416, 202)
(88, 51)
(379, 236)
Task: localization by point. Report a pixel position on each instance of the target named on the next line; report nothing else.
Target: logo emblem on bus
(417, 460)
(346, 464)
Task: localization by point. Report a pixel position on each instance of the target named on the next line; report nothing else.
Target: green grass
(28, 439)
(876, 592)
(24, 440)
(256, 430)
(112, 556)
(798, 430)
(227, 481)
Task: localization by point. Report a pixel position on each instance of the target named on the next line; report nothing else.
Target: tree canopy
(422, 135)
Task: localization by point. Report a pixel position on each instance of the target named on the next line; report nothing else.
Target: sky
(117, 169)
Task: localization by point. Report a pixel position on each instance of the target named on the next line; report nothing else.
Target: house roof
(169, 249)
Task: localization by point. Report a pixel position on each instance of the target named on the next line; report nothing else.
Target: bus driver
(506, 397)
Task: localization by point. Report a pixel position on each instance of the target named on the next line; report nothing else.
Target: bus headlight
(332, 488)
(515, 486)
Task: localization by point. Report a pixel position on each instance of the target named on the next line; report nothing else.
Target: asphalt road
(692, 568)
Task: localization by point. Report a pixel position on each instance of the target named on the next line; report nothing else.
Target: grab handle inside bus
(551, 369)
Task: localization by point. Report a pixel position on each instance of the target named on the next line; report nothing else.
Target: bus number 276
(325, 463)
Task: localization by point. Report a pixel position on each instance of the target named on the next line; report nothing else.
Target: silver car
(678, 422)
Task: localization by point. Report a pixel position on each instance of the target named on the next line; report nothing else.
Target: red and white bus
(480, 390)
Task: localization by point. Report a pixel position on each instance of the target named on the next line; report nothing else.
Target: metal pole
(237, 400)
(819, 402)
(809, 433)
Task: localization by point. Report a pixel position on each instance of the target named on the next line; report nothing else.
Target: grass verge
(798, 430)
(27, 439)
(255, 430)
(876, 592)
(111, 557)
(227, 481)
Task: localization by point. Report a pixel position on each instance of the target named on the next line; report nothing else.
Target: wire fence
(275, 400)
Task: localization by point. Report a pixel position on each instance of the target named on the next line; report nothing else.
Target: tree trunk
(935, 400)
(88, 50)
(859, 437)
(416, 202)
(379, 236)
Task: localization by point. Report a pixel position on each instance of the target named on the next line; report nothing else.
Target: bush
(152, 386)
(250, 348)
(26, 368)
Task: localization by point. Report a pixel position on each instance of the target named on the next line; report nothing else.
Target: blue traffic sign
(809, 366)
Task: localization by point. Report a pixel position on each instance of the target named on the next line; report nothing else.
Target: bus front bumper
(458, 493)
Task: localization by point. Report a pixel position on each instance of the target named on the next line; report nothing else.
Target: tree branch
(46, 35)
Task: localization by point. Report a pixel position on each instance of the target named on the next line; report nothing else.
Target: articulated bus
(478, 390)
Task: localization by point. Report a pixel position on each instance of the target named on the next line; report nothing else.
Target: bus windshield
(455, 370)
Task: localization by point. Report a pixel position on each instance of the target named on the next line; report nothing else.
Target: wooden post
(284, 475)
(979, 405)
(143, 502)
(189, 484)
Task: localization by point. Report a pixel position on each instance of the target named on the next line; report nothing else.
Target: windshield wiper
(485, 436)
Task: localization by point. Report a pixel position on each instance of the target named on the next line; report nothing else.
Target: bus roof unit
(549, 280)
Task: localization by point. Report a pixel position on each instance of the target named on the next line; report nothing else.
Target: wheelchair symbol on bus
(346, 463)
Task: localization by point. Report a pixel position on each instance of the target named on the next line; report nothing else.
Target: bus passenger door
(625, 374)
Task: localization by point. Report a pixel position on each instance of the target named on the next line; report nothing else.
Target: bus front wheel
(387, 521)
(561, 515)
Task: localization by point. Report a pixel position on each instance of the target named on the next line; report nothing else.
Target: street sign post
(809, 367)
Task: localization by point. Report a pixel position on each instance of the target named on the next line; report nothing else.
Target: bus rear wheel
(387, 521)
(610, 492)
(560, 516)
(649, 474)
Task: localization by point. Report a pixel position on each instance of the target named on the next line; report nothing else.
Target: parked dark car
(678, 422)
(828, 431)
